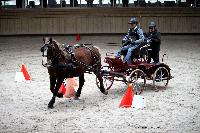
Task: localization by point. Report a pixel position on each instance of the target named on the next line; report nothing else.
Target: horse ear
(50, 39)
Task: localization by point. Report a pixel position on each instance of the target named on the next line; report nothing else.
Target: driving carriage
(137, 73)
(64, 61)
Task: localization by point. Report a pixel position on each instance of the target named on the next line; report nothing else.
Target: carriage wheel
(161, 77)
(138, 80)
(107, 79)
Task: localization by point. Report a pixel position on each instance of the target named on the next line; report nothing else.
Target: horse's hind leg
(102, 89)
(81, 83)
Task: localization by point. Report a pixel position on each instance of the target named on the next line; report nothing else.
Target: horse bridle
(53, 58)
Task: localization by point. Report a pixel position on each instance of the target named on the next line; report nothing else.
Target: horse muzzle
(45, 62)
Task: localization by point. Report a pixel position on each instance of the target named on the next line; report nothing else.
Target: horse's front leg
(55, 93)
(52, 101)
(52, 83)
(57, 87)
(81, 83)
(52, 86)
(102, 89)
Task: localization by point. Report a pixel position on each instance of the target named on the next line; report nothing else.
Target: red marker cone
(70, 91)
(126, 102)
(62, 89)
(78, 37)
(72, 82)
(25, 72)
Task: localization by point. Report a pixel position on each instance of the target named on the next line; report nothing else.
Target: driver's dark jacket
(155, 40)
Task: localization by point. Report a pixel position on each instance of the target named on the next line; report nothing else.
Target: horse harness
(94, 56)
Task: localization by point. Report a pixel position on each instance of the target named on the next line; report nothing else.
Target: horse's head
(53, 53)
(45, 49)
(50, 51)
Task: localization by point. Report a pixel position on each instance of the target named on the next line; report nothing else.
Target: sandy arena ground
(23, 105)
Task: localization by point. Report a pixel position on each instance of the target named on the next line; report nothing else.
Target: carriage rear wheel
(161, 77)
(107, 79)
(138, 80)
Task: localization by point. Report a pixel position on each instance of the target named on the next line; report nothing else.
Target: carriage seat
(141, 53)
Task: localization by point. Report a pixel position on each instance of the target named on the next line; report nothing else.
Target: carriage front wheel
(161, 77)
(138, 80)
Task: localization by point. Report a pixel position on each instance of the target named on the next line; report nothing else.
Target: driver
(131, 41)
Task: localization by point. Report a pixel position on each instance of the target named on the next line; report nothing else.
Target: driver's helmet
(152, 24)
(133, 20)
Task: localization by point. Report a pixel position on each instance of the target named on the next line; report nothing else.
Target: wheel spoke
(138, 81)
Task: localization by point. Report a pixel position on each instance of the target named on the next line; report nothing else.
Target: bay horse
(65, 61)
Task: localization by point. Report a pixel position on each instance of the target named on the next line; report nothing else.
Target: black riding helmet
(152, 24)
(133, 20)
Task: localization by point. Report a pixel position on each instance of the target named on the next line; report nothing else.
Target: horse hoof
(50, 106)
(106, 92)
(52, 101)
(76, 98)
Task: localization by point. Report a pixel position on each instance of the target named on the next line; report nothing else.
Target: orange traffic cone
(62, 89)
(78, 37)
(126, 102)
(70, 84)
(70, 92)
(25, 72)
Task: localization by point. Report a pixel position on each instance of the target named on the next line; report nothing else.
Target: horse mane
(62, 50)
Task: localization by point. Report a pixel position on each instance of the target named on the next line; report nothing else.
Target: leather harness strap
(94, 57)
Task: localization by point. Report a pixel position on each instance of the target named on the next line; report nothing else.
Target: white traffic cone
(19, 77)
(139, 102)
